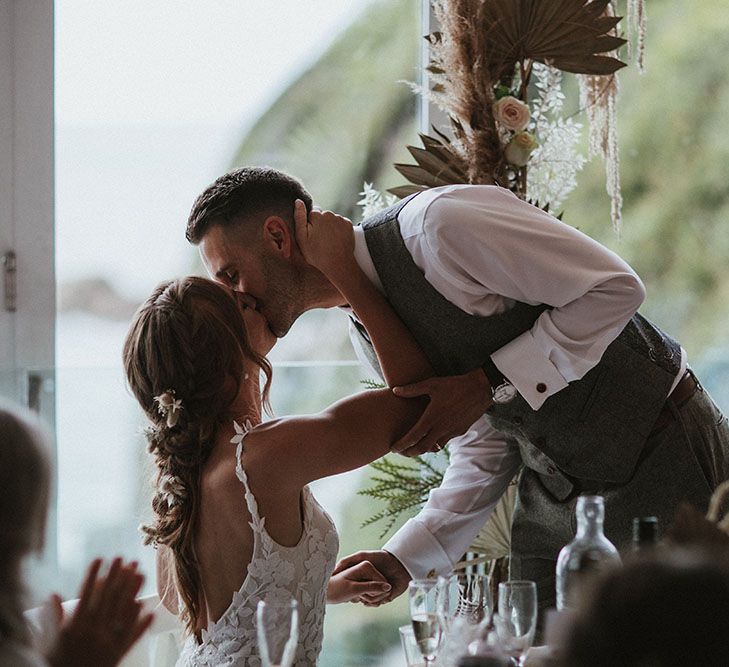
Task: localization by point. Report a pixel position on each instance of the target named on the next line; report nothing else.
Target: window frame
(27, 326)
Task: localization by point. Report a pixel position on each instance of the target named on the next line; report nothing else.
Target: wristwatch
(504, 393)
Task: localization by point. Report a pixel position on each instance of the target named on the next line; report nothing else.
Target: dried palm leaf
(494, 539)
(570, 35)
(438, 163)
(692, 528)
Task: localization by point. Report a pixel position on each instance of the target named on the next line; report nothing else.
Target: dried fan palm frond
(570, 35)
(438, 163)
(494, 539)
(692, 528)
(715, 504)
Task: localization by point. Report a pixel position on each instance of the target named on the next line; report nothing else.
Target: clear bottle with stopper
(589, 551)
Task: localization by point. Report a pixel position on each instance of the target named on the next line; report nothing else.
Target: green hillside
(346, 119)
(674, 145)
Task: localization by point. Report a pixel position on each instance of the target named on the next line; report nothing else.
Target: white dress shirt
(483, 248)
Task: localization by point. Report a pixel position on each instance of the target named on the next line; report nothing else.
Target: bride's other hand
(362, 579)
(326, 240)
(385, 564)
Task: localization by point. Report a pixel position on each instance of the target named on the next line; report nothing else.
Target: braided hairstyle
(188, 338)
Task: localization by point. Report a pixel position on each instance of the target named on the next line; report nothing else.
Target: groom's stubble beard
(285, 298)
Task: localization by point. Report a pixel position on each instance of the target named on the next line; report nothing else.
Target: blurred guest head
(670, 609)
(24, 490)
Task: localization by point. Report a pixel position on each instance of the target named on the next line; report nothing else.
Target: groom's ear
(277, 236)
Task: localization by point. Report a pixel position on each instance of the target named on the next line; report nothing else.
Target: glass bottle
(589, 551)
(645, 533)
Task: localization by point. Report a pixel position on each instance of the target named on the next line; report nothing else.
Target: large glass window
(153, 102)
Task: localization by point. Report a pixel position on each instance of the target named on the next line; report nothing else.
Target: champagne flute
(277, 629)
(516, 621)
(424, 617)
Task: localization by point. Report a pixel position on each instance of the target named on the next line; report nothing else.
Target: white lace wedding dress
(301, 572)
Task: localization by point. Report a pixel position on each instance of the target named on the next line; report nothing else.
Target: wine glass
(424, 617)
(516, 621)
(277, 628)
(464, 596)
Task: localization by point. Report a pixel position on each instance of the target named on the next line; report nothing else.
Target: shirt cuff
(419, 552)
(525, 365)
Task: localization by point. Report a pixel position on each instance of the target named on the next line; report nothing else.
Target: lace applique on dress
(301, 572)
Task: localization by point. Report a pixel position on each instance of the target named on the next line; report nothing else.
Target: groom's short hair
(243, 195)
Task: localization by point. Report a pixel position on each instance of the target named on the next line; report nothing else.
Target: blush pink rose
(511, 113)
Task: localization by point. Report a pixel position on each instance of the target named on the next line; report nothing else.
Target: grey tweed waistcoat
(594, 429)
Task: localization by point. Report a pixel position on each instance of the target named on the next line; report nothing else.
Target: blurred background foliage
(347, 118)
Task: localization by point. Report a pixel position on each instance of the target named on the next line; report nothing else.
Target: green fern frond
(403, 487)
(372, 384)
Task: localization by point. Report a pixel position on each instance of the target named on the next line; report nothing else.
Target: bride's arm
(360, 428)
(327, 242)
(348, 434)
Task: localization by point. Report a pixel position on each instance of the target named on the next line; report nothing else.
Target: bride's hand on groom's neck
(326, 240)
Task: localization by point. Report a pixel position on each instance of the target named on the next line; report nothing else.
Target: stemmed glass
(464, 596)
(277, 628)
(424, 617)
(516, 621)
(464, 610)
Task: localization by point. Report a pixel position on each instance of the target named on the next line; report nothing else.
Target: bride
(232, 508)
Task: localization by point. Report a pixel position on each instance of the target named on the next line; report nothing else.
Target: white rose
(519, 149)
(511, 113)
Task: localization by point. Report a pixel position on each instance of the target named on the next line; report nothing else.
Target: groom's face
(250, 267)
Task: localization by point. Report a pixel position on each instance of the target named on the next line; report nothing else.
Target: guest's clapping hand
(107, 621)
(355, 583)
(325, 239)
(386, 565)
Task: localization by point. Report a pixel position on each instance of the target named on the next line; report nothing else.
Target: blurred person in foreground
(544, 367)
(667, 610)
(107, 620)
(235, 521)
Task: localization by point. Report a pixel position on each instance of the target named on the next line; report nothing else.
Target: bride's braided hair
(188, 340)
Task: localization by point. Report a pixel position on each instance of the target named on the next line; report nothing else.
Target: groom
(544, 367)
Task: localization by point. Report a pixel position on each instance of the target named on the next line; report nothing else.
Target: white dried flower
(169, 406)
(554, 164)
(373, 201)
(171, 489)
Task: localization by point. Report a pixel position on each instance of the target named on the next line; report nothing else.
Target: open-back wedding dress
(275, 571)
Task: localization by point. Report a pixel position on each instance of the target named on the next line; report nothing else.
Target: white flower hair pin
(172, 489)
(169, 406)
